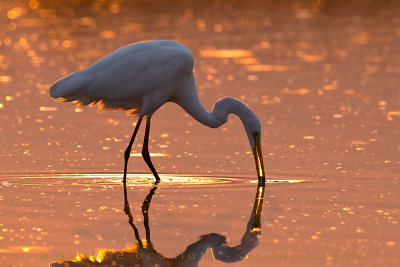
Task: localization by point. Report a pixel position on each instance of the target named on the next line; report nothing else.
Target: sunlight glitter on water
(269, 68)
(226, 53)
(25, 249)
(111, 179)
(289, 181)
(151, 155)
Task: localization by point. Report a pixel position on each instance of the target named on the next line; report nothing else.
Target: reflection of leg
(128, 212)
(145, 212)
(145, 151)
(128, 149)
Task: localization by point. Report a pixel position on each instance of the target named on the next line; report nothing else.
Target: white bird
(143, 76)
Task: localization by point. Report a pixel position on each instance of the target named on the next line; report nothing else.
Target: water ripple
(113, 179)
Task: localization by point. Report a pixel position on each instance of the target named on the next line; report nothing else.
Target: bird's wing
(136, 71)
(125, 77)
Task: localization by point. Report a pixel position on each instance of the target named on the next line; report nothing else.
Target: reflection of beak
(258, 157)
(258, 203)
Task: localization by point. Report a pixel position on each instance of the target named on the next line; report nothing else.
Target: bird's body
(143, 76)
(139, 77)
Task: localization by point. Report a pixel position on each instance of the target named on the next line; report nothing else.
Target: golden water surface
(322, 76)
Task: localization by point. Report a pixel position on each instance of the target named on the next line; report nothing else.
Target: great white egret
(143, 76)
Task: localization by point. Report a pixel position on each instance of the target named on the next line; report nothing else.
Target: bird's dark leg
(129, 148)
(145, 151)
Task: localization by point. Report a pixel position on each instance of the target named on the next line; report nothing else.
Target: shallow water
(53, 217)
(69, 212)
(322, 76)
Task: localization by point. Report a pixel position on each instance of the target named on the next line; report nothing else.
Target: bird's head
(253, 131)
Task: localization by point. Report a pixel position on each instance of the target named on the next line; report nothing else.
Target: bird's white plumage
(130, 77)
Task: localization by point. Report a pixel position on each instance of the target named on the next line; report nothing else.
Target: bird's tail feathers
(76, 88)
(102, 105)
(69, 87)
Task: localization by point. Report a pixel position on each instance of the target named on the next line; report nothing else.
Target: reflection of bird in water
(143, 76)
(144, 254)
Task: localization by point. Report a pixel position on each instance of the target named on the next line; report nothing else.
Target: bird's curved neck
(219, 115)
(191, 103)
(225, 106)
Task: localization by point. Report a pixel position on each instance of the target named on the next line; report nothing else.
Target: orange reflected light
(66, 43)
(391, 114)
(14, 13)
(110, 179)
(301, 91)
(267, 68)
(246, 60)
(18, 249)
(313, 58)
(269, 181)
(226, 53)
(107, 34)
(260, 167)
(23, 41)
(259, 197)
(48, 108)
(151, 154)
(33, 4)
(5, 79)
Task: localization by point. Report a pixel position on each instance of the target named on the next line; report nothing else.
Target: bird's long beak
(258, 157)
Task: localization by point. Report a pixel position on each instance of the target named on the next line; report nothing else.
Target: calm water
(323, 77)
